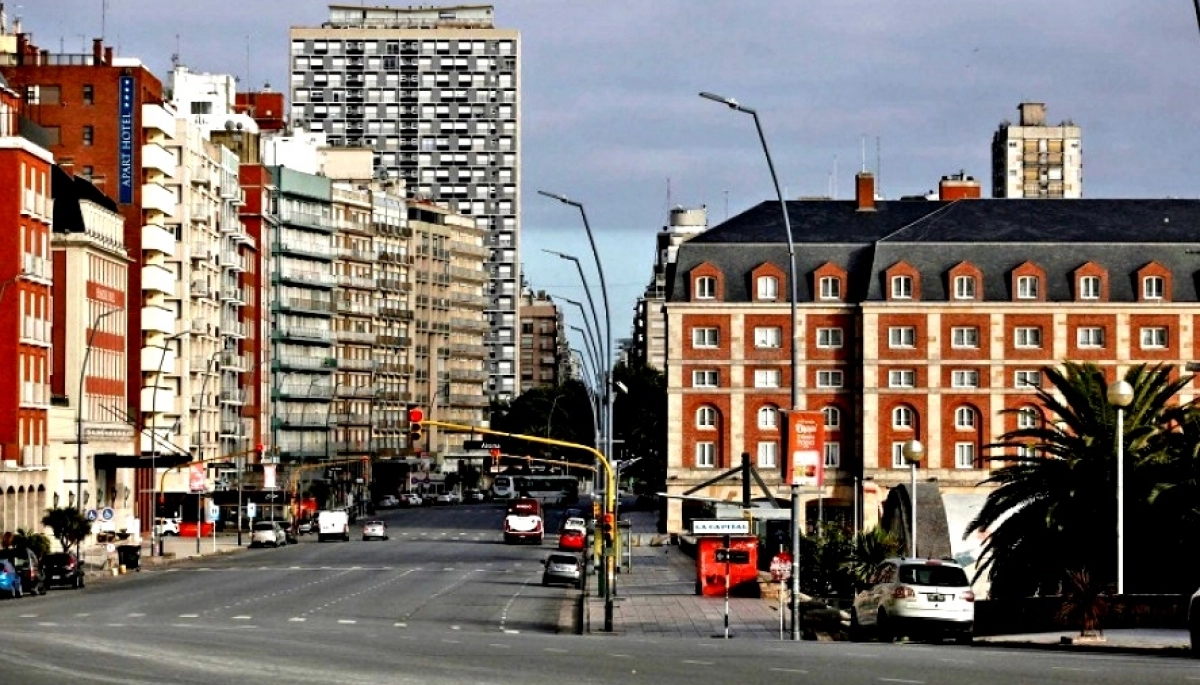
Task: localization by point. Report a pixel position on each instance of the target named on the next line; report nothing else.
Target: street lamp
(795, 360)
(591, 337)
(87, 353)
(154, 536)
(913, 452)
(1120, 395)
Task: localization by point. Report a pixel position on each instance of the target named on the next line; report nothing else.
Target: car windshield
(925, 574)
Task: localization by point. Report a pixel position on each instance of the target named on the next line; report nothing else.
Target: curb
(1173, 651)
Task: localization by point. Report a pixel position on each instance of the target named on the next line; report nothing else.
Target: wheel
(856, 630)
(883, 628)
(79, 582)
(42, 588)
(17, 593)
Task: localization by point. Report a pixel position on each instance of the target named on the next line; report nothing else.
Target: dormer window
(1027, 288)
(1089, 288)
(831, 288)
(902, 287)
(1153, 288)
(964, 287)
(768, 288)
(706, 288)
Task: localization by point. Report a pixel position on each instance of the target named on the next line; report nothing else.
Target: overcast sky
(611, 115)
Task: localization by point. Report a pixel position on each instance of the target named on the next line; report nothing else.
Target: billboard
(197, 478)
(803, 462)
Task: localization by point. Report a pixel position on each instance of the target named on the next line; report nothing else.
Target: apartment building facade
(916, 320)
(647, 345)
(1031, 159)
(543, 341)
(435, 93)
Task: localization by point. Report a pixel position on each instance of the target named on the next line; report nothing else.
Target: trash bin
(129, 556)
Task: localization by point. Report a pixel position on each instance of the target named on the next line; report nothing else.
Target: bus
(550, 489)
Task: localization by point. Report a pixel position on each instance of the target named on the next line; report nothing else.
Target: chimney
(108, 56)
(97, 50)
(864, 191)
(959, 187)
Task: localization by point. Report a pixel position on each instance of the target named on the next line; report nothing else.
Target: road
(443, 601)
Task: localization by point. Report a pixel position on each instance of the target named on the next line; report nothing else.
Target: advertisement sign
(268, 476)
(125, 141)
(197, 478)
(804, 449)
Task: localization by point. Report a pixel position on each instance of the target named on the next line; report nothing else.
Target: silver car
(564, 569)
(267, 534)
(916, 597)
(374, 530)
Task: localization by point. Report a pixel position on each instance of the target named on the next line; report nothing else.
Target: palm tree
(1053, 510)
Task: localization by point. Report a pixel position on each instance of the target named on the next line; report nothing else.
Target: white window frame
(964, 287)
(1089, 287)
(965, 418)
(964, 378)
(1028, 417)
(768, 337)
(833, 455)
(1090, 337)
(767, 288)
(1028, 287)
(706, 418)
(833, 418)
(902, 287)
(898, 460)
(902, 378)
(902, 418)
(706, 455)
(706, 378)
(706, 288)
(1024, 378)
(1027, 337)
(830, 288)
(902, 337)
(830, 378)
(829, 338)
(701, 336)
(1153, 337)
(1153, 287)
(768, 378)
(768, 455)
(768, 417)
(964, 337)
(964, 455)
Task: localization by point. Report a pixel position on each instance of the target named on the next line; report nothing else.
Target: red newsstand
(710, 573)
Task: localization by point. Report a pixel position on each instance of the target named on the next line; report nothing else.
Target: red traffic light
(416, 415)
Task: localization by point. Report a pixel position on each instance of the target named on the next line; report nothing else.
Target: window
(768, 378)
(768, 337)
(829, 379)
(902, 336)
(1027, 452)
(1027, 379)
(1027, 337)
(902, 378)
(706, 288)
(964, 287)
(767, 452)
(1154, 337)
(902, 287)
(902, 417)
(964, 455)
(965, 337)
(706, 378)
(1027, 287)
(898, 460)
(1027, 417)
(964, 378)
(829, 338)
(706, 337)
(768, 417)
(833, 418)
(706, 418)
(706, 455)
(768, 288)
(1090, 336)
(964, 418)
(831, 288)
(1089, 288)
(1152, 288)
(89, 94)
(89, 135)
(833, 455)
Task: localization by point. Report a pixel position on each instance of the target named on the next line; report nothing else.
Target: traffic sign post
(251, 510)
(781, 572)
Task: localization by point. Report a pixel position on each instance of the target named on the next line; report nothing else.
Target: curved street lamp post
(1120, 395)
(87, 353)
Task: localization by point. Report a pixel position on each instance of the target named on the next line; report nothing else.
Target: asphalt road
(443, 601)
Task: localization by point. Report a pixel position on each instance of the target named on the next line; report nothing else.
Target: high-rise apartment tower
(1033, 160)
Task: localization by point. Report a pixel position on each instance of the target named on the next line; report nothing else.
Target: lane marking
(85, 615)
(347, 621)
(134, 615)
(698, 663)
(189, 616)
(399, 624)
(620, 656)
(1071, 668)
(241, 618)
(556, 650)
(789, 670)
(47, 623)
(901, 680)
(297, 619)
(29, 615)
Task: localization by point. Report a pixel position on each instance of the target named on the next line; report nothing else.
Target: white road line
(1071, 668)
(901, 680)
(135, 615)
(512, 632)
(84, 615)
(242, 618)
(698, 663)
(620, 656)
(189, 616)
(452, 642)
(298, 619)
(789, 670)
(556, 650)
(399, 624)
(29, 615)
(347, 621)
(47, 623)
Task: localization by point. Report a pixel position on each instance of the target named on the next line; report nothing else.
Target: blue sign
(92, 514)
(107, 513)
(125, 171)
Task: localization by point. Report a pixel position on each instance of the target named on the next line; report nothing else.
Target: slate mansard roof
(996, 236)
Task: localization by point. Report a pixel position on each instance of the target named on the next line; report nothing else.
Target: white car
(447, 498)
(1193, 620)
(916, 597)
(374, 530)
(411, 499)
(267, 534)
(166, 526)
(389, 501)
(575, 523)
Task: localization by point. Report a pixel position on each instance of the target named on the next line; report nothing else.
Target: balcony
(234, 329)
(469, 400)
(233, 397)
(355, 336)
(157, 278)
(155, 118)
(230, 259)
(468, 351)
(158, 239)
(155, 156)
(365, 282)
(299, 363)
(162, 402)
(157, 198)
(200, 289)
(159, 320)
(234, 362)
(302, 304)
(311, 279)
(202, 211)
(35, 331)
(233, 429)
(310, 220)
(234, 294)
(303, 333)
(304, 248)
(355, 364)
(468, 375)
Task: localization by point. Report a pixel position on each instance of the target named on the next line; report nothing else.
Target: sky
(909, 89)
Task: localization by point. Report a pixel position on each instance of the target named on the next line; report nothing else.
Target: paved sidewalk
(99, 566)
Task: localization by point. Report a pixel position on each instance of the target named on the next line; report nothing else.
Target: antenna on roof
(175, 55)
(878, 168)
(862, 141)
(103, 18)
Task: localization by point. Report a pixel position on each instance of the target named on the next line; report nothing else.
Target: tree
(867, 556)
(562, 412)
(640, 419)
(68, 525)
(1053, 512)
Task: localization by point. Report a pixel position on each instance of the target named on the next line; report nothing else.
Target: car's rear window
(55, 558)
(264, 525)
(561, 559)
(927, 574)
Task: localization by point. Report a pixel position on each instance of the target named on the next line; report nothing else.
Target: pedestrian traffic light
(415, 429)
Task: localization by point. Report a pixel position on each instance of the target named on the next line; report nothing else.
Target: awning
(110, 460)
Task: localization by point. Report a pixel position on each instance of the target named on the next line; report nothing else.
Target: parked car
(63, 568)
(374, 530)
(267, 534)
(305, 527)
(410, 499)
(33, 575)
(473, 496)
(916, 597)
(572, 539)
(448, 498)
(389, 501)
(166, 526)
(289, 535)
(1193, 619)
(564, 569)
(573, 523)
(10, 580)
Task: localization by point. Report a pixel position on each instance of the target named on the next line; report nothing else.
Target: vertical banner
(125, 124)
(804, 449)
(268, 476)
(197, 478)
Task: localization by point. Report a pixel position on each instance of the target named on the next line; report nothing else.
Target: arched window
(964, 418)
(902, 417)
(706, 418)
(768, 416)
(833, 418)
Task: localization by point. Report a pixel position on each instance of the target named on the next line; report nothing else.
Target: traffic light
(415, 429)
(495, 453)
(606, 528)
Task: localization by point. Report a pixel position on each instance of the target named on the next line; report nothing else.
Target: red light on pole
(416, 415)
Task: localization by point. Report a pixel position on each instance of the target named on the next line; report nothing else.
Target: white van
(333, 525)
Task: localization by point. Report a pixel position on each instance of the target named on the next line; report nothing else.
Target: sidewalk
(175, 549)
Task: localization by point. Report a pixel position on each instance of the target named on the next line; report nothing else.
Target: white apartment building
(1033, 160)
(435, 93)
(649, 343)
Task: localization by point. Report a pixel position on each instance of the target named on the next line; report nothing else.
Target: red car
(572, 539)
